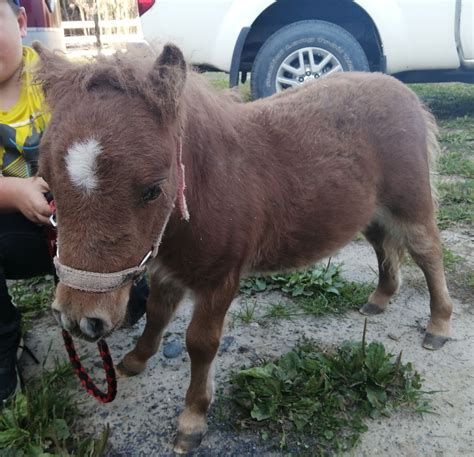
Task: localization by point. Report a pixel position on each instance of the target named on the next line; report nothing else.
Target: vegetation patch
(317, 401)
(317, 291)
(453, 106)
(32, 296)
(456, 163)
(447, 101)
(450, 259)
(456, 203)
(40, 420)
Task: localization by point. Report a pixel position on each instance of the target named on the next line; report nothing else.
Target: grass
(247, 314)
(456, 163)
(32, 296)
(221, 81)
(280, 310)
(317, 291)
(317, 401)
(451, 260)
(40, 420)
(447, 101)
(453, 106)
(456, 203)
(458, 272)
(470, 280)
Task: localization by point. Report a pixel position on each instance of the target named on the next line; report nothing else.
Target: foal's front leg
(202, 341)
(165, 296)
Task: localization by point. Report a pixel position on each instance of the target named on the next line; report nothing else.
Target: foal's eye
(151, 193)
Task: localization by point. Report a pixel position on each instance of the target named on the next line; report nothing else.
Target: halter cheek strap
(182, 205)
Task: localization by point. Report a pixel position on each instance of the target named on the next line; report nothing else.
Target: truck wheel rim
(306, 64)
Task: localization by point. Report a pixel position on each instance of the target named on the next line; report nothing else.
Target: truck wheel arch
(344, 13)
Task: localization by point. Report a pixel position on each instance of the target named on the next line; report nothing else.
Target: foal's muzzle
(90, 328)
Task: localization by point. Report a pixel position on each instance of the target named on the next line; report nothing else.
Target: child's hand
(29, 199)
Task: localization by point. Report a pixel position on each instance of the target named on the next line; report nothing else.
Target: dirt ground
(143, 416)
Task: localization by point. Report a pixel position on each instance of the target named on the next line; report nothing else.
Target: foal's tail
(433, 149)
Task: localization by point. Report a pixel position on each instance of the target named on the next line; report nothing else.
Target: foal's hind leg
(164, 298)
(202, 340)
(389, 250)
(424, 245)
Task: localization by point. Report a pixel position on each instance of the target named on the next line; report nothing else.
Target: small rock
(225, 344)
(172, 349)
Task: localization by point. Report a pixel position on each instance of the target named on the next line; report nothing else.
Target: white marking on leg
(81, 162)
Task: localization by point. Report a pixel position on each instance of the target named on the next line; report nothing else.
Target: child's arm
(25, 195)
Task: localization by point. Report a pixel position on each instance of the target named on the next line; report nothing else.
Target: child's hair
(15, 5)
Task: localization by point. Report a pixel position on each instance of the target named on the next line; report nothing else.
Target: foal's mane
(132, 73)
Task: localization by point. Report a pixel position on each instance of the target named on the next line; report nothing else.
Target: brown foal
(271, 185)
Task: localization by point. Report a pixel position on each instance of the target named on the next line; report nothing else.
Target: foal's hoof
(126, 371)
(434, 342)
(183, 444)
(371, 309)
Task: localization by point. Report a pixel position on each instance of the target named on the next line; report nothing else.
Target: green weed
(317, 291)
(351, 295)
(322, 398)
(456, 203)
(359, 237)
(40, 421)
(456, 163)
(220, 81)
(246, 314)
(32, 296)
(280, 311)
(470, 280)
(308, 283)
(450, 259)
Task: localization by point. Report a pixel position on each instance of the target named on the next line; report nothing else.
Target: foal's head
(110, 158)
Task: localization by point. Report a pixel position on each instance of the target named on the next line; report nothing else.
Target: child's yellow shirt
(22, 126)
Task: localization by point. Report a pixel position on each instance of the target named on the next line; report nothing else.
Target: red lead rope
(85, 379)
(104, 351)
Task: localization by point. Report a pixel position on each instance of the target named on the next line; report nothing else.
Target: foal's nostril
(66, 323)
(92, 326)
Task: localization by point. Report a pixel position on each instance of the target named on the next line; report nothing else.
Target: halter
(90, 281)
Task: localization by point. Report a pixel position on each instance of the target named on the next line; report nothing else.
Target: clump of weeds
(316, 402)
(40, 420)
(317, 291)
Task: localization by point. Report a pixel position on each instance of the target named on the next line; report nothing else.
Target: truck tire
(323, 47)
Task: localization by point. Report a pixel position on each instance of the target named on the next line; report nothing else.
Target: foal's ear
(51, 70)
(167, 78)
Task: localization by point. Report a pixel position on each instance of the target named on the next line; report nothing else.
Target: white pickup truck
(284, 43)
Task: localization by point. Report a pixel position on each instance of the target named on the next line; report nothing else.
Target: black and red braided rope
(107, 362)
(85, 379)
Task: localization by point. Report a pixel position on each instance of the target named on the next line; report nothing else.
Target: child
(23, 207)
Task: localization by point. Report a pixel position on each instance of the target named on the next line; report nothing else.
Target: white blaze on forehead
(81, 162)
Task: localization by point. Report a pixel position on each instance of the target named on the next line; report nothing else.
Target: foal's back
(336, 153)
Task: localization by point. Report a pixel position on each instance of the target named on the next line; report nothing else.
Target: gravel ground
(143, 416)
